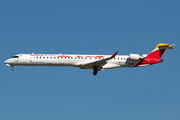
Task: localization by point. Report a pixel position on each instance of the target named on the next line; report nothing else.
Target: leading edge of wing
(98, 63)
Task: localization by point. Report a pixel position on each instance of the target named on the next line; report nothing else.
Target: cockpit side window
(15, 57)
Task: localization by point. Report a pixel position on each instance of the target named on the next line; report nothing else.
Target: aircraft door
(24, 58)
(20, 58)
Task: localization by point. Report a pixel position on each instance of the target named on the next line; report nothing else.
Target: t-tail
(155, 56)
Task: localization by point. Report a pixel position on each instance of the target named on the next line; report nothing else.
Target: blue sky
(89, 27)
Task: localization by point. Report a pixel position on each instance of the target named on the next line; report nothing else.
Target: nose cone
(5, 62)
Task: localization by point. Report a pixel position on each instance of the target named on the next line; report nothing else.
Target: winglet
(114, 54)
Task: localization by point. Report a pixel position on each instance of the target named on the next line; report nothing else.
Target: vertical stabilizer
(158, 51)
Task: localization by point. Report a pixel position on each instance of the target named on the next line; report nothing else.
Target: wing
(98, 63)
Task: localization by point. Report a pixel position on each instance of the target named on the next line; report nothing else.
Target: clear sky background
(89, 27)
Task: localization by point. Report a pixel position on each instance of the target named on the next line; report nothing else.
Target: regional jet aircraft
(95, 62)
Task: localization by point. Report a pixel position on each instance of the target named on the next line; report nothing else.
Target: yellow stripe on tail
(163, 45)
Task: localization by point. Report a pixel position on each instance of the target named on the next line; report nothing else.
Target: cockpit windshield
(15, 57)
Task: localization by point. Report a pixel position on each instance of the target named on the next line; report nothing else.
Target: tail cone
(161, 60)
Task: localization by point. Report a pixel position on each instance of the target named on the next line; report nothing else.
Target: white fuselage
(69, 60)
(95, 62)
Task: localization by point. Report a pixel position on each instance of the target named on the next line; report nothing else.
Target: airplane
(95, 62)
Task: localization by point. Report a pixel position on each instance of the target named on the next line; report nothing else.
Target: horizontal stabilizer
(163, 45)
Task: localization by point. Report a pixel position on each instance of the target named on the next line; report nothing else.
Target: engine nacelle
(135, 57)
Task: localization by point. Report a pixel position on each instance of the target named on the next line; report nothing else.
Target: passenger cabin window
(15, 57)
